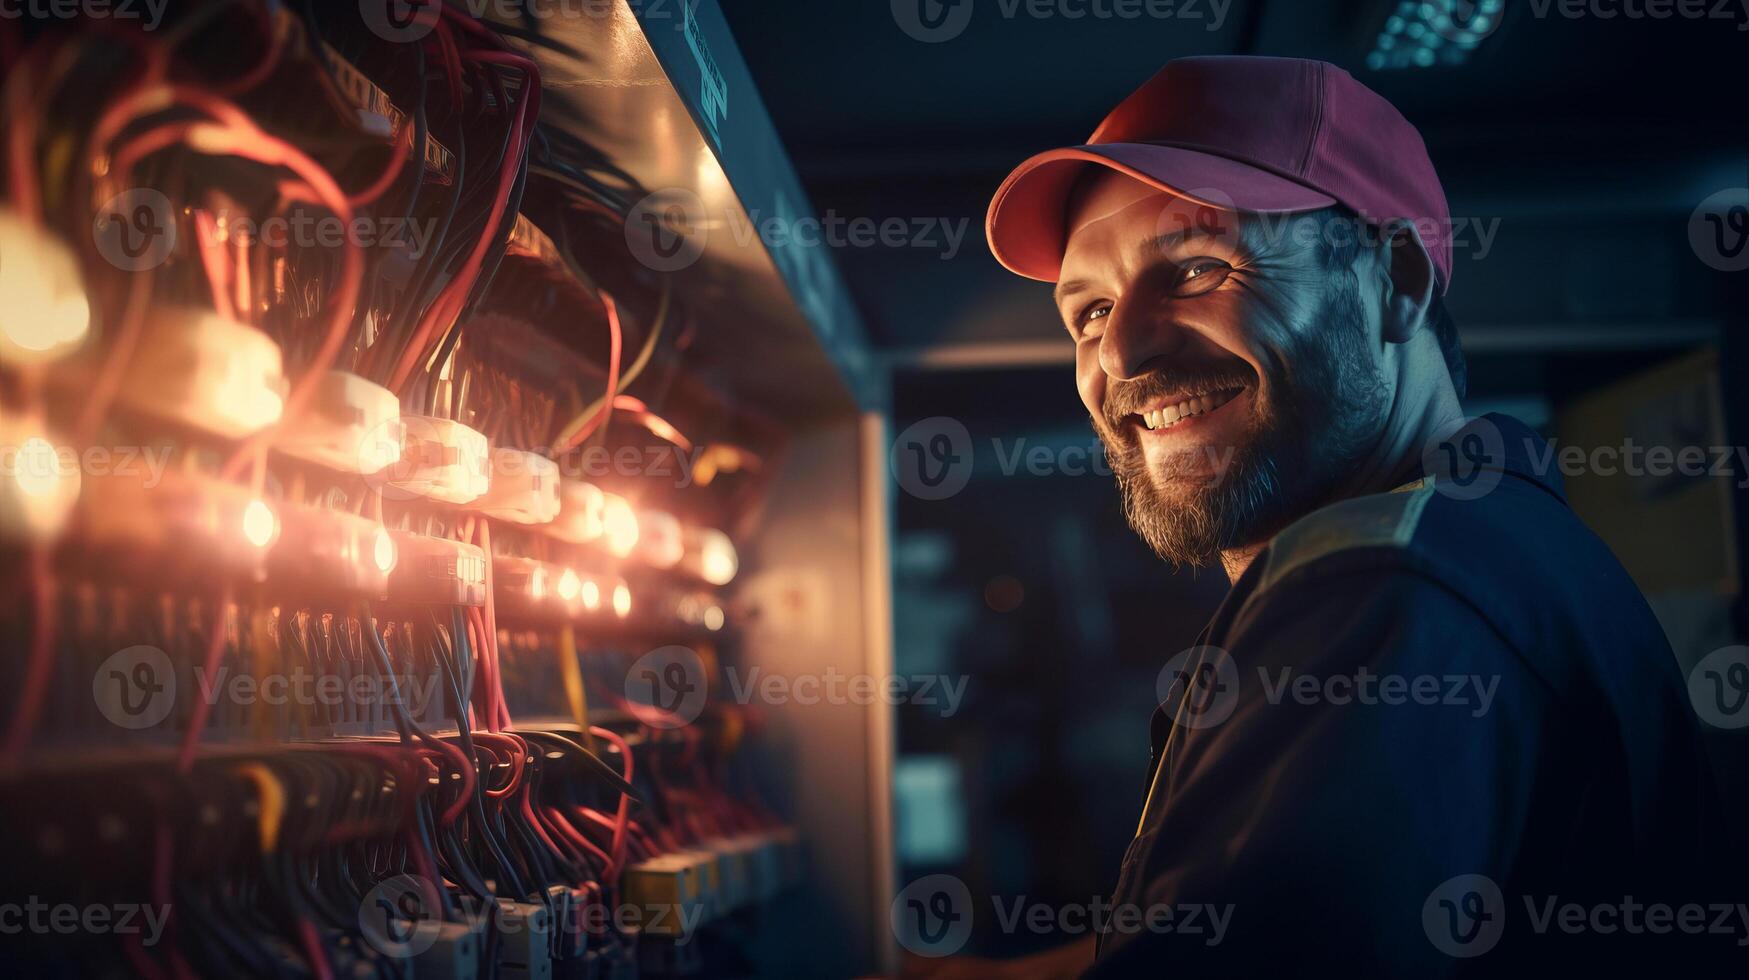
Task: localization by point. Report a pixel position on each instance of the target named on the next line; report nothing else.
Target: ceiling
(1588, 142)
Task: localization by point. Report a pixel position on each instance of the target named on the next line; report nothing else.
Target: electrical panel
(390, 519)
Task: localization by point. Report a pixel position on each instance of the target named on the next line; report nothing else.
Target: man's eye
(1201, 275)
(1098, 311)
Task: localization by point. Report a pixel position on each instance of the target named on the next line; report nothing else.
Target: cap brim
(1025, 225)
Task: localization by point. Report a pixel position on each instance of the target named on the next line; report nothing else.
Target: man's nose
(1137, 339)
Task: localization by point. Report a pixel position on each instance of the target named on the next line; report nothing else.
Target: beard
(1319, 409)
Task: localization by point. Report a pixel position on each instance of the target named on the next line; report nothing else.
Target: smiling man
(1251, 258)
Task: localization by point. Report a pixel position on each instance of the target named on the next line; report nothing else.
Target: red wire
(41, 663)
(453, 299)
(623, 815)
(613, 355)
(215, 651)
(214, 259)
(387, 179)
(313, 948)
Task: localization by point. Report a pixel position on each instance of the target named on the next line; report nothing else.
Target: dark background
(1592, 140)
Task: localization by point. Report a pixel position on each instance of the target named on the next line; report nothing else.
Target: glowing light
(622, 600)
(713, 618)
(252, 404)
(620, 524)
(570, 585)
(259, 524)
(591, 596)
(717, 561)
(43, 309)
(659, 539)
(37, 468)
(384, 551)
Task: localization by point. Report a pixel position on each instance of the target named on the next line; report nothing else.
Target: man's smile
(1172, 410)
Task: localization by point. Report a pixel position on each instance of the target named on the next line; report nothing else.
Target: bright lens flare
(717, 560)
(620, 524)
(384, 551)
(259, 524)
(713, 618)
(622, 601)
(37, 468)
(591, 596)
(570, 585)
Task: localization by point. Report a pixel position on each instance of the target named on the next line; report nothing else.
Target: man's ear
(1409, 282)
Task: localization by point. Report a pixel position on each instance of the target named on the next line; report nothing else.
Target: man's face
(1232, 378)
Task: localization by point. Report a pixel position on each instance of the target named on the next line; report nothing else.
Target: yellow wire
(272, 801)
(628, 376)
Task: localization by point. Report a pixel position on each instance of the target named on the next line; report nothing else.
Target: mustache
(1126, 398)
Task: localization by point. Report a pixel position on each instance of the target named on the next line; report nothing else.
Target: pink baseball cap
(1249, 134)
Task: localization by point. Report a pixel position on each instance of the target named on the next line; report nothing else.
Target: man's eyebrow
(1160, 243)
(1147, 246)
(1069, 288)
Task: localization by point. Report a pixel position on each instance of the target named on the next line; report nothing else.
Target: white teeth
(1161, 418)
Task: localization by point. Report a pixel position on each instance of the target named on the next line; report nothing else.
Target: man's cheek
(1089, 379)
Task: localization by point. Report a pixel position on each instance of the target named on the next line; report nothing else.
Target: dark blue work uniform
(1422, 726)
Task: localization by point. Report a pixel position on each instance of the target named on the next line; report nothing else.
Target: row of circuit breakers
(210, 374)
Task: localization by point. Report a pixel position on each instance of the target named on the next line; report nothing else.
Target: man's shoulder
(1380, 526)
(1516, 560)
